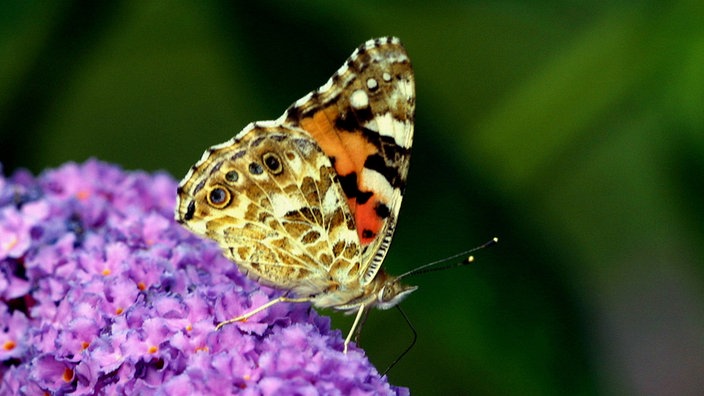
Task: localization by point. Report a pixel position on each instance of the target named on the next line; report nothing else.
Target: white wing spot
(284, 203)
(387, 125)
(359, 99)
(386, 76)
(326, 87)
(372, 84)
(304, 100)
(342, 70)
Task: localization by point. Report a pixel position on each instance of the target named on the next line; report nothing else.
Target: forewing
(362, 118)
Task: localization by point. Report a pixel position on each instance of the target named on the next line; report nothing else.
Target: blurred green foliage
(573, 131)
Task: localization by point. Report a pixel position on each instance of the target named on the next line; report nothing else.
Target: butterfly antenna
(432, 267)
(408, 349)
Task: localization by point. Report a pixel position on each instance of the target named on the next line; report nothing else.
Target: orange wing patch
(349, 152)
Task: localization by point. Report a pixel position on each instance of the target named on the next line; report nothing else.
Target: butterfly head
(392, 292)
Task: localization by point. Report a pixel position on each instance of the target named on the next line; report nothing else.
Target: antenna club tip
(470, 259)
(495, 240)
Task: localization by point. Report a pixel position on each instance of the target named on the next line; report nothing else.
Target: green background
(574, 131)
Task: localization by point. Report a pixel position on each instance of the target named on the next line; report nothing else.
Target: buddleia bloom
(101, 292)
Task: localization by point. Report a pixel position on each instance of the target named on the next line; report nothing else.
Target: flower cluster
(101, 292)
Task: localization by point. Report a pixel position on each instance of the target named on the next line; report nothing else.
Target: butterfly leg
(360, 313)
(360, 325)
(244, 317)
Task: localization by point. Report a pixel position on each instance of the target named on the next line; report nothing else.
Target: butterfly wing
(362, 118)
(270, 198)
(326, 218)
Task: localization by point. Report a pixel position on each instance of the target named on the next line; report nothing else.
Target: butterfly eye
(219, 197)
(273, 163)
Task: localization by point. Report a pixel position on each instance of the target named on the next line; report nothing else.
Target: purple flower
(102, 292)
(12, 334)
(16, 227)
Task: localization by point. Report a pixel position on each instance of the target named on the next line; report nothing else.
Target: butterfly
(308, 203)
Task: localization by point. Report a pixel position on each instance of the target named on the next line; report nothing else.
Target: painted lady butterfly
(308, 203)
